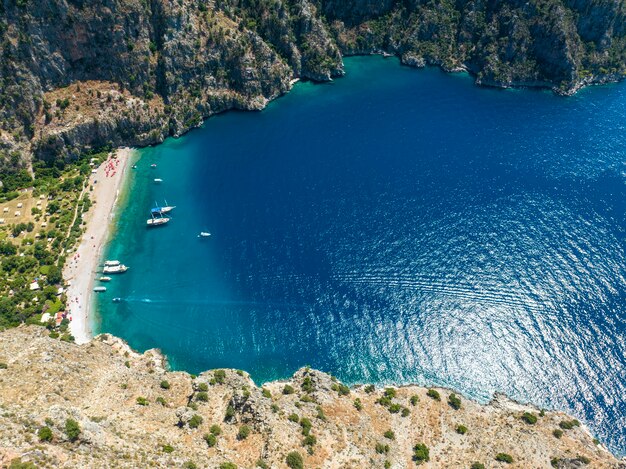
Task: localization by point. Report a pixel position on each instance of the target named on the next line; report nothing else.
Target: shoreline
(82, 262)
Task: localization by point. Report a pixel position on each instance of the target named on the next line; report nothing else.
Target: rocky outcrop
(162, 66)
(131, 412)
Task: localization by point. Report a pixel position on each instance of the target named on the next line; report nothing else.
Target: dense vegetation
(35, 250)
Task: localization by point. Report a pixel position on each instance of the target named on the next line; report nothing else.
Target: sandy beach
(82, 264)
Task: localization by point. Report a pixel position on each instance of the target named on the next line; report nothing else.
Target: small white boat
(111, 263)
(115, 269)
(105, 279)
(153, 165)
(100, 289)
(116, 300)
(204, 234)
(158, 180)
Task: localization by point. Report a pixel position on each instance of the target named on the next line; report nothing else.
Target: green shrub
(358, 405)
(309, 440)
(230, 412)
(195, 421)
(211, 439)
(421, 453)
(190, 465)
(165, 384)
(477, 465)
(142, 401)
(504, 457)
(390, 435)
(244, 432)
(17, 462)
(395, 408)
(161, 401)
(320, 413)
(215, 430)
(294, 460)
(382, 448)
(414, 399)
(72, 429)
(370, 388)
(228, 465)
(202, 396)
(307, 398)
(306, 425)
(167, 449)
(569, 424)
(262, 464)
(3, 366)
(405, 412)
(390, 393)
(343, 390)
(219, 376)
(529, 418)
(45, 434)
(307, 384)
(461, 429)
(294, 418)
(454, 401)
(288, 389)
(266, 393)
(433, 394)
(203, 387)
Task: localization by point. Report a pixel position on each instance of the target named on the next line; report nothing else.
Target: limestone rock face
(132, 412)
(77, 75)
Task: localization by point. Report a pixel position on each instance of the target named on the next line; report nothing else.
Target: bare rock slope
(131, 412)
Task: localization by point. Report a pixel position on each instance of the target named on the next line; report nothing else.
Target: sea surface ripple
(393, 226)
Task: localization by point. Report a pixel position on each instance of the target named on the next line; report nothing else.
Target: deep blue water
(397, 225)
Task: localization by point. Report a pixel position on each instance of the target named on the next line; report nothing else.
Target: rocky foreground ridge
(103, 405)
(81, 74)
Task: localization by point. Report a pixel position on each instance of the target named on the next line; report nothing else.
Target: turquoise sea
(393, 226)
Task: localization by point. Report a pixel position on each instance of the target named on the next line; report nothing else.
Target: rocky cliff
(103, 405)
(82, 74)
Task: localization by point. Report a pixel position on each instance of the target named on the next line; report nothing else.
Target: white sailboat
(161, 209)
(157, 221)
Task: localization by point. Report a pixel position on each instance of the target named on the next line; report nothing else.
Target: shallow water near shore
(394, 226)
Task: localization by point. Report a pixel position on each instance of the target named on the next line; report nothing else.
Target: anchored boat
(161, 209)
(158, 180)
(100, 289)
(157, 221)
(115, 269)
(204, 234)
(111, 263)
(105, 279)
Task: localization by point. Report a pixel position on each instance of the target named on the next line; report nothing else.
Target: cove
(393, 226)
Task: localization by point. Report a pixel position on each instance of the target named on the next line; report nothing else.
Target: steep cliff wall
(130, 412)
(80, 74)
